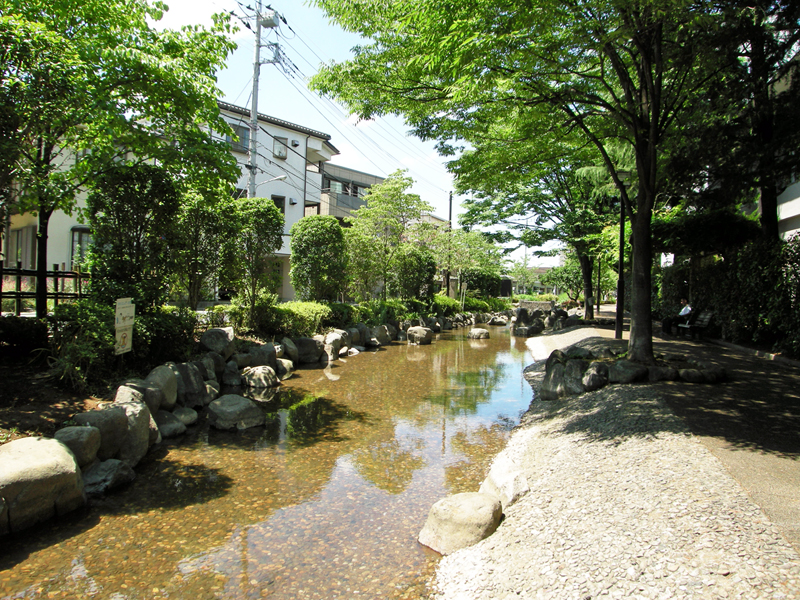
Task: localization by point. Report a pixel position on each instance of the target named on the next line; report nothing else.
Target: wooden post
(18, 288)
(55, 285)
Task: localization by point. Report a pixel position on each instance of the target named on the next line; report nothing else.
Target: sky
(377, 147)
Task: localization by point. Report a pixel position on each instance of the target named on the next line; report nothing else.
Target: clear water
(325, 502)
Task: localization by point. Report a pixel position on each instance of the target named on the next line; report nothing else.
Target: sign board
(123, 322)
(124, 341)
(126, 311)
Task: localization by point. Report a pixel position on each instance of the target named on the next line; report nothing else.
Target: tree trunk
(41, 263)
(587, 270)
(640, 346)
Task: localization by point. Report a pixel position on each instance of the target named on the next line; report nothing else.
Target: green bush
(476, 305)
(342, 315)
(498, 304)
(300, 319)
(166, 334)
(22, 334)
(444, 306)
(82, 342)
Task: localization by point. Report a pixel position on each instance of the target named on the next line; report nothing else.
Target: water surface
(323, 504)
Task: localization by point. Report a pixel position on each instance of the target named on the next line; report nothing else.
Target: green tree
(134, 94)
(612, 71)
(39, 71)
(203, 226)
(319, 258)
(251, 252)
(413, 271)
(132, 213)
(567, 278)
(380, 226)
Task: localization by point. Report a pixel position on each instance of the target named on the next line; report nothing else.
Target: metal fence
(19, 284)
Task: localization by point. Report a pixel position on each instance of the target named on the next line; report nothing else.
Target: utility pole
(270, 21)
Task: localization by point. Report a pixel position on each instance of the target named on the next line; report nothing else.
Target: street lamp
(278, 178)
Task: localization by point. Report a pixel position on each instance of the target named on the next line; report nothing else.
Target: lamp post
(278, 178)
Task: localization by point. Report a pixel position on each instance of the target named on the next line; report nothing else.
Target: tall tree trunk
(640, 346)
(587, 270)
(41, 263)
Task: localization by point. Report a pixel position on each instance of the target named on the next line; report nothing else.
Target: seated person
(681, 317)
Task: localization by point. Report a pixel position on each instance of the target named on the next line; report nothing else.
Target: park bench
(696, 325)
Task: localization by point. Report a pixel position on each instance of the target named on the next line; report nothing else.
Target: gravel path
(624, 503)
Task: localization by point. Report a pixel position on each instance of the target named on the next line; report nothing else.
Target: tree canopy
(121, 90)
(613, 72)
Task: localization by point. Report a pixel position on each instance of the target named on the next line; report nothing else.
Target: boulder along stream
(326, 501)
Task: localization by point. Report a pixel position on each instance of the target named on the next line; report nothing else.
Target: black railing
(19, 284)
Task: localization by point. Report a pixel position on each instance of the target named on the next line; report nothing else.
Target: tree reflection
(388, 465)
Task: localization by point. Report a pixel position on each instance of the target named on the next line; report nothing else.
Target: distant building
(343, 191)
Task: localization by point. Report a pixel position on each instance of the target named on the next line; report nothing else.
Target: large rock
(152, 392)
(108, 475)
(164, 378)
(234, 412)
(231, 375)
(285, 368)
(169, 425)
(259, 377)
(136, 441)
(39, 479)
(573, 376)
(291, 350)
(263, 355)
(355, 336)
(419, 335)
(210, 366)
(379, 336)
(219, 340)
(217, 361)
(83, 442)
(187, 416)
(506, 482)
(212, 392)
(625, 371)
(461, 520)
(191, 385)
(309, 350)
(595, 377)
(477, 333)
(112, 421)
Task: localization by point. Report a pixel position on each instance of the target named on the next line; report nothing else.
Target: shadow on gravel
(757, 409)
(612, 415)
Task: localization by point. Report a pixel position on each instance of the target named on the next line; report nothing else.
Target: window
(20, 246)
(336, 187)
(240, 142)
(81, 240)
(280, 148)
(280, 202)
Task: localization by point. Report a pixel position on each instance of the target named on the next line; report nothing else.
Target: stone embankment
(41, 478)
(623, 503)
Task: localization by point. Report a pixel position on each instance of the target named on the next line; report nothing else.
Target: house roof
(279, 122)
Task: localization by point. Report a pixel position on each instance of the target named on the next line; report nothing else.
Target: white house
(294, 153)
(789, 210)
(290, 152)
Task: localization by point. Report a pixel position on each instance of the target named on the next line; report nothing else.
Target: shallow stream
(325, 502)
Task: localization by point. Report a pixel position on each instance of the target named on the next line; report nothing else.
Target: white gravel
(624, 503)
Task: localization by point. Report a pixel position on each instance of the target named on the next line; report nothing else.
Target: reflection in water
(326, 501)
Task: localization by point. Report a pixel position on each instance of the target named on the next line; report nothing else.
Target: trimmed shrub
(476, 305)
(444, 306)
(166, 334)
